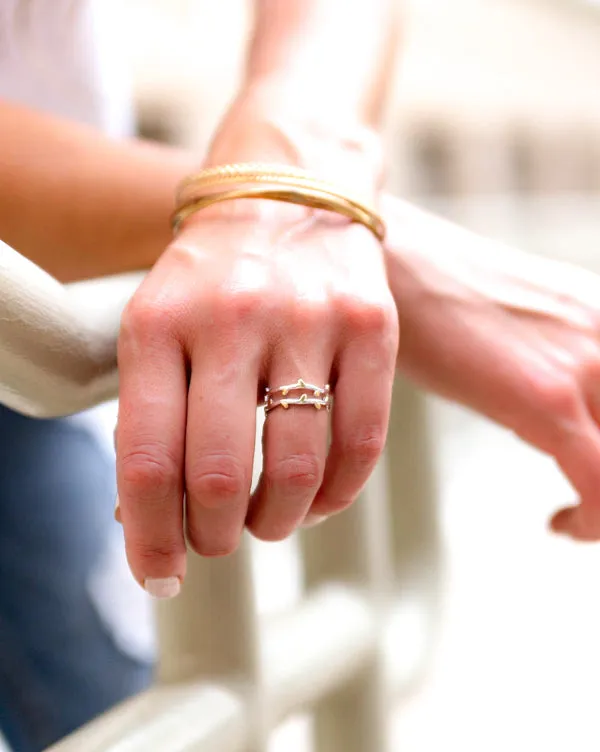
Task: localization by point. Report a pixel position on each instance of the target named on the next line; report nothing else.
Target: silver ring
(299, 394)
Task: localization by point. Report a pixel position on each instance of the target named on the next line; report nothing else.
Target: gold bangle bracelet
(294, 195)
(254, 172)
(275, 182)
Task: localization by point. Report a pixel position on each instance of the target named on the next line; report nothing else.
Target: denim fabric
(60, 665)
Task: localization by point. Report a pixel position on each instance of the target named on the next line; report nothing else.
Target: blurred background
(496, 123)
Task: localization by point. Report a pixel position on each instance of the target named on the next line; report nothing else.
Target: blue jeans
(60, 664)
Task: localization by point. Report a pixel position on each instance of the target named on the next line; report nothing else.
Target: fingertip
(162, 588)
(561, 522)
(155, 568)
(312, 520)
(578, 523)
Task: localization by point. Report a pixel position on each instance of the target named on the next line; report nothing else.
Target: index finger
(150, 456)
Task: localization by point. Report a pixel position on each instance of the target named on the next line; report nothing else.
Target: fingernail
(162, 587)
(311, 520)
(117, 510)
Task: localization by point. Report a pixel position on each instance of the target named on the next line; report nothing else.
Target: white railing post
(413, 512)
(211, 633)
(353, 548)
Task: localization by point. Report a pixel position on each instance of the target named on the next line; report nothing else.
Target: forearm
(80, 204)
(315, 91)
(452, 287)
(330, 56)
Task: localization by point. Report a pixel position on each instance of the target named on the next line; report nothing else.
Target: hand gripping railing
(226, 677)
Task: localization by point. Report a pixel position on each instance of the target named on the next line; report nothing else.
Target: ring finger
(294, 448)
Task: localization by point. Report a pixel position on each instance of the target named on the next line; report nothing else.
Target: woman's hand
(511, 335)
(239, 302)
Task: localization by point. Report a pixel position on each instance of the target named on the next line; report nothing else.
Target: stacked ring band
(299, 394)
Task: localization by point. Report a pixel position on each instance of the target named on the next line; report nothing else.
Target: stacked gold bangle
(275, 182)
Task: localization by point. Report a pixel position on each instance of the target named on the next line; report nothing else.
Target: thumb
(580, 461)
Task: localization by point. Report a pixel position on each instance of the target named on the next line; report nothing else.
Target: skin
(511, 335)
(254, 293)
(526, 327)
(81, 204)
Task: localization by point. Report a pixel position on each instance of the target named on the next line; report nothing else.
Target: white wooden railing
(227, 677)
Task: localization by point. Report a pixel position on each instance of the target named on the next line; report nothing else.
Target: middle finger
(219, 452)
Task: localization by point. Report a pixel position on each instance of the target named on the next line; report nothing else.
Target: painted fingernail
(311, 520)
(117, 511)
(162, 587)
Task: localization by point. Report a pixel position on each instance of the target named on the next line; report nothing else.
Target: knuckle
(240, 306)
(149, 473)
(558, 396)
(217, 480)
(159, 554)
(144, 319)
(301, 471)
(557, 405)
(370, 317)
(365, 447)
(375, 318)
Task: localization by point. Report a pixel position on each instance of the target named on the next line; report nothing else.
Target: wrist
(261, 127)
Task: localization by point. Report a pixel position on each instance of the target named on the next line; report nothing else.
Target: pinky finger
(359, 428)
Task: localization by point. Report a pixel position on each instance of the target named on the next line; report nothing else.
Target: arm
(315, 90)
(78, 203)
(82, 205)
(512, 335)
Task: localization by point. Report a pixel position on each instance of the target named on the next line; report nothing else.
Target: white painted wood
(353, 548)
(325, 654)
(322, 644)
(57, 343)
(412, 502)
(177, 718)
(211, 632)
(225, 680)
